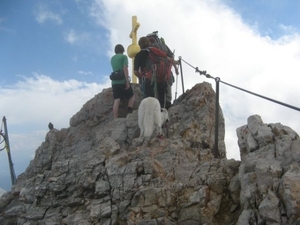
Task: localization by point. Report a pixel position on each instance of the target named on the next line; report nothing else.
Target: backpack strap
(154, 81)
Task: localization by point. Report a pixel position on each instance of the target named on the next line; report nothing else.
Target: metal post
(11, 165)
(216, 147)
(176, 86)
(181, 75)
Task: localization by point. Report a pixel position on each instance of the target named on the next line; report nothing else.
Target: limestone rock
(269, 173)
(98, 171)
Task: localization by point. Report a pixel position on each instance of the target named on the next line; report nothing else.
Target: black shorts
(161, 91)
(119, 91)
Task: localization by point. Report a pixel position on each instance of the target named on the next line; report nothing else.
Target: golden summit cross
(134, 48)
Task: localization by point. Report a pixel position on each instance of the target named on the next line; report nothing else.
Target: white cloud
(87, 41)
(85, 73)
(97, 11)
(71, 36)
(287, 29)
(37, 100)
(79, 37)
(43, 14)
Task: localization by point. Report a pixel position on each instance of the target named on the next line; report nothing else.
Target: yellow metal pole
(134, 48)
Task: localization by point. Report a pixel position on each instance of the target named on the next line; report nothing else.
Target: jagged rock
(269, 173)
(99, 109)
(98, 171)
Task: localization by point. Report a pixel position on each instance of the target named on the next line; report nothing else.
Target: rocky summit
(99, 171)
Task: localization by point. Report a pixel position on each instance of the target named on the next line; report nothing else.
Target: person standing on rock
(159, 43)
(121, 87)
(149, 86)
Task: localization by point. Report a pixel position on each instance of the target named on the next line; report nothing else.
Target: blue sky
(57, 38)
(269, 16)
(55, 56)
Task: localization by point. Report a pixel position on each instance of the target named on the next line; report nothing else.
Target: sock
(129, 110)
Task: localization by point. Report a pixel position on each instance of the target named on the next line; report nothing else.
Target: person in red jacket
(149, 87)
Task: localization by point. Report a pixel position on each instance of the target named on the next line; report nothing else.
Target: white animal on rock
(151, 116)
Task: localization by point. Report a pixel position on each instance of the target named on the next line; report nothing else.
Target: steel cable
(239, 88)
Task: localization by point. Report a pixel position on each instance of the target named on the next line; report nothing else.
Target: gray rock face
(98, 171)
(269, 173)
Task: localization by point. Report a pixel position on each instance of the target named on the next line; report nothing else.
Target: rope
(250, 92)
(264, 97)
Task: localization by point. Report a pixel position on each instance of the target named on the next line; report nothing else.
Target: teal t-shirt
(118, 61)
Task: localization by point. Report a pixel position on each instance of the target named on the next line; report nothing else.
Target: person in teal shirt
(121, 88)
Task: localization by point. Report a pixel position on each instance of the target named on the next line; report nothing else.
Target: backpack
(156, 41)
(157, 64)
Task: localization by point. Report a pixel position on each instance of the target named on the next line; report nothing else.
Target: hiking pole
(176, 86)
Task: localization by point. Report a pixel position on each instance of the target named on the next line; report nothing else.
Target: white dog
(151, 116)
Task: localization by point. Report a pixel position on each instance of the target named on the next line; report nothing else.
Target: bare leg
(116, 107)
(131, 101)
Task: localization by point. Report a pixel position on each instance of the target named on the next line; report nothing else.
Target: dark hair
(144, 42)
(152, 40)
(119, 49)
